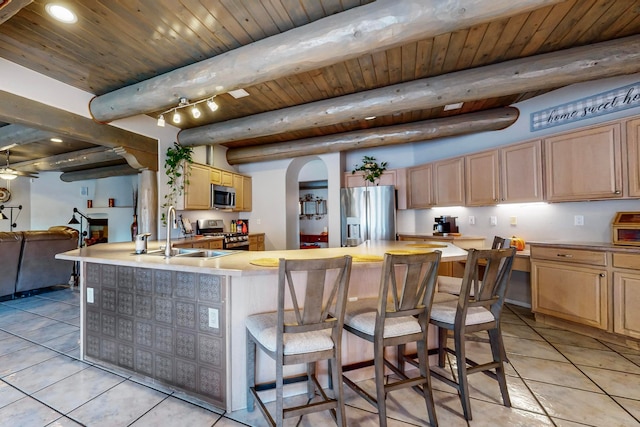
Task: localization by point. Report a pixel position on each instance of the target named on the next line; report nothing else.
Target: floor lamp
(74, 220)
(12, 224)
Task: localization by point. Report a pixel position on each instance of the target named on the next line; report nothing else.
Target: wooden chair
(452, 285)
(480, 313)
(305, 334)
(398, 316)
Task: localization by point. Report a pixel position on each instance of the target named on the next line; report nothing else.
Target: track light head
(176, 117)
(212, 105)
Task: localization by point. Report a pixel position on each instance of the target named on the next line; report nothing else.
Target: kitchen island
(179, 322)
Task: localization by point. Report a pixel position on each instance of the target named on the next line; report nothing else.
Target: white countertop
(238, 264)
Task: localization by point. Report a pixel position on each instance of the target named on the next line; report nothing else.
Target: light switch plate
(90, 295)
(493, 220)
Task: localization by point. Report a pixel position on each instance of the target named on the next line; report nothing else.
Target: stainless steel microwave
(223, 197)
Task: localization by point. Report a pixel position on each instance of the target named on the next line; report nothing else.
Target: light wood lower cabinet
(207, 244)
(626, 294)
(571, 292)
(256, 242)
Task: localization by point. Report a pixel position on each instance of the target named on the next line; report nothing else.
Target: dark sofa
(28, 259)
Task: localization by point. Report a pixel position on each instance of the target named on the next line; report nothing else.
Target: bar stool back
(452, 285)
(309, 332)
(397, 317)
(471, 314)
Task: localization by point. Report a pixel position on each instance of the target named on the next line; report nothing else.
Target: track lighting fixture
(194, 110)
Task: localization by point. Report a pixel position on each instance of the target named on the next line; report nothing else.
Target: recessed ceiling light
(61, 13)
(370, 117)
(55, 140)
(238, 93)
(455, 106)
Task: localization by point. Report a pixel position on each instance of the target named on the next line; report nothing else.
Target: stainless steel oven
(215, 227)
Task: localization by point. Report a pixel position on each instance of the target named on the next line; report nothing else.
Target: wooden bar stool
(306, 334)
(452, 285)
(399, 316)
(472, 314)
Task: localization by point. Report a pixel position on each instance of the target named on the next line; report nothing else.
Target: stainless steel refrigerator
(367, 213)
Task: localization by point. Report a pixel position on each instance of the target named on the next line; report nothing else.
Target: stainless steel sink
(192, 253)
(204, 253)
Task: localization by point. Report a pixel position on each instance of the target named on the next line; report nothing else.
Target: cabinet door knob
(617, 192)
(602, 274)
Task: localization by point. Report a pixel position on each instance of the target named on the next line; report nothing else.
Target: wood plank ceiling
(117, 43)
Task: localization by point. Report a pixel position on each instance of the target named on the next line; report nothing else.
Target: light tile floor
(556, 378)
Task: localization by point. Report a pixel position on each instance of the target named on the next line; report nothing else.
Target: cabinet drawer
(570, 255)
(626, 261)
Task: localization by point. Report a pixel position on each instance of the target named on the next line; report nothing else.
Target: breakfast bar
(179, 321)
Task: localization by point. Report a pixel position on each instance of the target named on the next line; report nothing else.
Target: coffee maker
(445, 225)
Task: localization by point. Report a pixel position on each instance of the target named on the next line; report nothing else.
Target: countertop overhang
(238, 264)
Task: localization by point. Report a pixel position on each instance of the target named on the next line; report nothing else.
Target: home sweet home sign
(596, 105)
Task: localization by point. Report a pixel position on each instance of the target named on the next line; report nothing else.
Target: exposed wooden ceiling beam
(380, 25)
(97, 173)
(496, 119)
(19, 110)
(80, 158)
(545, 71)
(14, 135)
(8, 8)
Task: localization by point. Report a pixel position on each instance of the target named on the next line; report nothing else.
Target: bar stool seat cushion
(446, 313)
(264, 328)
(361, 315)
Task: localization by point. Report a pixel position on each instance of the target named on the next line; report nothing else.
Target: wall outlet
(578, 220)
(258, 221)
(472, 220)
(513, 220)
(493, 220)
(84, 191)
(214, 321)
(90, 295)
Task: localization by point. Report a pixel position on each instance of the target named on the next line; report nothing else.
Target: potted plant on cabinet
(176, 167)
(371, 170)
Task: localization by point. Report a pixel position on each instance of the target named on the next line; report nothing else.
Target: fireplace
(98, 231)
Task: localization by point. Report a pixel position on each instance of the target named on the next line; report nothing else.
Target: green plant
(371, 170)
(176, 163)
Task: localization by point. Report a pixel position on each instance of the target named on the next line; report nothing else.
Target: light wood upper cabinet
(420, 187)
(356, 180)
(247, 194)
(227, 178)
(633, 150)
(482, 178)
(242, 185)
(521, 173)
(584, 165)
(448, 182)
(215, 176)
(197, 193)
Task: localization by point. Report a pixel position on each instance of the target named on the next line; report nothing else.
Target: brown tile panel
(156, 323)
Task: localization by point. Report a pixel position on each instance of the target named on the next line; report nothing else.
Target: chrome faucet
(171, 223)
